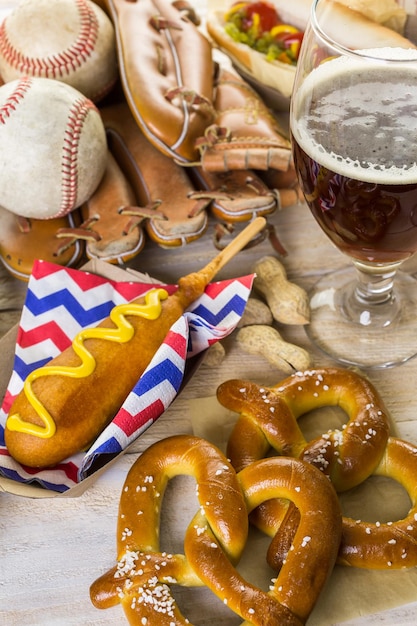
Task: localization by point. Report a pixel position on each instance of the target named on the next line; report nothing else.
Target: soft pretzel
(268, 419)
(142, 570)
(389, 545)
(217, 535)
(294, 592)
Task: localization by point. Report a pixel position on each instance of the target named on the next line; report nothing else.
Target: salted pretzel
(217, 535)
(390, 545)
(294, 593)
(268, 418)
(377, 545)
(143, 571)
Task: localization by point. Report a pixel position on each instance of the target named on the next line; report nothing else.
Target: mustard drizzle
(123, 333)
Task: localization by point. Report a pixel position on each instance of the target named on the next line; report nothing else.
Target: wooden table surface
(52, 549)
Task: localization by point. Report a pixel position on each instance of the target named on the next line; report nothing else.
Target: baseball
(72, 41)
(52, 148)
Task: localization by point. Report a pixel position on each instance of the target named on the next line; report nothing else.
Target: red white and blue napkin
(60, 302)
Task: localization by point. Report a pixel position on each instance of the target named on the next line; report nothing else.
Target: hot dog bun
(349, 27)
(249, 62)
(385, 12)
(354, 30)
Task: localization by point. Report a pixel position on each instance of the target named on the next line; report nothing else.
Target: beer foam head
(359, 118)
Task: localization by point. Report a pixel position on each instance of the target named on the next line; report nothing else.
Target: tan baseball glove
(166, 71)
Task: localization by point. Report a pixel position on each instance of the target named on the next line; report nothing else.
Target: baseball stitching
(61, 64)
(14, 99)
(79, 110)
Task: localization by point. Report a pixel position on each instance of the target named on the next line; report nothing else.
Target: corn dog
(65, 405)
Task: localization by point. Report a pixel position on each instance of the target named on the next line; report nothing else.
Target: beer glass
(353, 127)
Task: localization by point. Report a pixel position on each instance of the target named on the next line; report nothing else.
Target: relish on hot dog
(235, 31)
(254, 36)
(258, 25)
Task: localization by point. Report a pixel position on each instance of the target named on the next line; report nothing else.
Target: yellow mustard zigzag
(123, 333)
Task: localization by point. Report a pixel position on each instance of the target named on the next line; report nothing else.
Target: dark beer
(354, 134)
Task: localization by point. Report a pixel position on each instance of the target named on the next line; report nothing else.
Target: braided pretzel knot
(377, 545)
(140, 579)
(269, 419)
(217, 535)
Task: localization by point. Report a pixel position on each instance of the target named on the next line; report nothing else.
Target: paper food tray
(60, 481)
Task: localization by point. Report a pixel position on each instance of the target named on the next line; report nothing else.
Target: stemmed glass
(354, 134)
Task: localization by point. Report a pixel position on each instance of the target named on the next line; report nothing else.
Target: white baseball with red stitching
(52, 148)
(72, 41)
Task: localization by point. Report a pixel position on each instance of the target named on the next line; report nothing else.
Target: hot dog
(251, 62)
(66, 404)
(350, 27)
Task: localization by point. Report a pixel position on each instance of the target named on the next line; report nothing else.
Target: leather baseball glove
(167, 72)
(23, 240)
(245, 135)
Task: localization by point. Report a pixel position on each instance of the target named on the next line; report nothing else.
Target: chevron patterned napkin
(60, 302)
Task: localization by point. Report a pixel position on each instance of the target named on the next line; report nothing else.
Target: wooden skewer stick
(235, 246)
